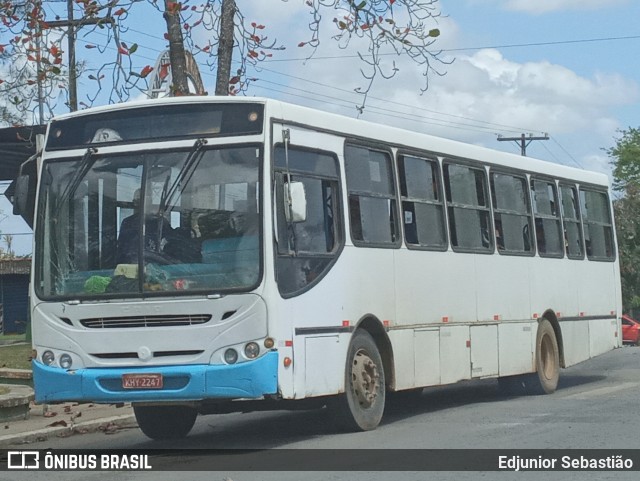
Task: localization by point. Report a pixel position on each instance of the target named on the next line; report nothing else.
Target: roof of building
(15, 266)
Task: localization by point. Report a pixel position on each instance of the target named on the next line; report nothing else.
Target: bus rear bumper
(252, 379)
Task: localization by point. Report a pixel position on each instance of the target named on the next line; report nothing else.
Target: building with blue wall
(14, 295)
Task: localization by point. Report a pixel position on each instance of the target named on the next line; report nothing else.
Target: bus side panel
(502, 284)
(323, 360)
(516, 344)
(597, 292)
(455, 354)
(426, 346)
(360, 284)
(434, 287)
(553, 287)
(484, 351)
(575, 336)
(603, 336)
(405, 362)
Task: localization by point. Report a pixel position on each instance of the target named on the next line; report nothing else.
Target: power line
(439, 122)
(567, 153)
(483, 126)
(466, 49)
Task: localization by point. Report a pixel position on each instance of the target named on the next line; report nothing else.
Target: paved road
(596, 406)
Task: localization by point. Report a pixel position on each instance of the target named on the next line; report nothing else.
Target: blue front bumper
(251, 379)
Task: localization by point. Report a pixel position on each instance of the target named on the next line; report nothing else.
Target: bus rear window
(158, 122)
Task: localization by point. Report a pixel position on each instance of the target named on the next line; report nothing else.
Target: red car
(630, 330)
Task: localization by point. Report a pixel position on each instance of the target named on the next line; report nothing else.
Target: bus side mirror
(21, 195)
(296, 211)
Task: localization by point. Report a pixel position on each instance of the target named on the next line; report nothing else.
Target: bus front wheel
(545, 380)
(165, 422)
(361, 406)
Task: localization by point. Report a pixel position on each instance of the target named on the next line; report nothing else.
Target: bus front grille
(145, 321)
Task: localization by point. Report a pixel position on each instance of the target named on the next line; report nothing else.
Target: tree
(625, 158)
(215, 31)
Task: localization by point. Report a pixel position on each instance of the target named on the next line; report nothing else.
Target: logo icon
(23, 460)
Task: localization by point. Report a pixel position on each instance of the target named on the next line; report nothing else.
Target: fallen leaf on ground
(109, 428)
(62, 422)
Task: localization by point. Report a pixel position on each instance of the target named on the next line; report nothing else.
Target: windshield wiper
(184, 176)
(82, 170)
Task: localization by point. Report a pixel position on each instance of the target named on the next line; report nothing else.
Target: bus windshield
(151, 223)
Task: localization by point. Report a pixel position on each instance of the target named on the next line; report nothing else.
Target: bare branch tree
(35, 73)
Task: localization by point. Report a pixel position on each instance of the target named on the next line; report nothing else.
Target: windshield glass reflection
(160, 222)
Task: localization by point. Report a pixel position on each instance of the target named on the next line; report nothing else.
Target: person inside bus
(129, 239)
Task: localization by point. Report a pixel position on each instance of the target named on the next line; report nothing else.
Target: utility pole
(523, 141)
(38, 4)
(72, 26)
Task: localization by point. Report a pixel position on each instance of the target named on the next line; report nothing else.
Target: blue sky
(578, 89)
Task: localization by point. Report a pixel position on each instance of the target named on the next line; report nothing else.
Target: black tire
(545, 380)
(165, 422)
(361, 406)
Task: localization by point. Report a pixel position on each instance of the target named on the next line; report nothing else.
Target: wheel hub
(365, 379)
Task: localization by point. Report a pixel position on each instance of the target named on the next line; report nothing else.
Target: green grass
(15, 356)
(9, 338)
(4, 390)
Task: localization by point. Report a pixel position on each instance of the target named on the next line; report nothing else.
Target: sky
(566, 68)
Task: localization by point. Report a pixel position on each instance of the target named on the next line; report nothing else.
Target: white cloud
(534, 96)
(504, 96)
(546, 6)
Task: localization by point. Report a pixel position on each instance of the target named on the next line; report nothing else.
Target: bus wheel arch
(555, 323)
(377, 331)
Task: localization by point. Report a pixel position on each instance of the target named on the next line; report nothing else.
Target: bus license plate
(142, 381)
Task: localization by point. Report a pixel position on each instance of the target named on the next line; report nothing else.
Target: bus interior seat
(223, 245)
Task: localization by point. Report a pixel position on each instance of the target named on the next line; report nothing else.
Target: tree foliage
(625, 159)
(34, 60)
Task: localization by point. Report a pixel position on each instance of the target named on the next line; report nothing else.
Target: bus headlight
(230, 356)
(251, 350)
(48, 357)
(65, 361)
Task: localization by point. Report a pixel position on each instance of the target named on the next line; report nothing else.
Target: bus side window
(306, 250)
(511, 213)
(571, 222)
(422, 204)
(468, 208)
(372, 197)
(598, 227)
(547, 218)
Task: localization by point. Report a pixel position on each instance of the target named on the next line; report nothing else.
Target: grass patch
(3, 390)
(9, 338)
(16, 357)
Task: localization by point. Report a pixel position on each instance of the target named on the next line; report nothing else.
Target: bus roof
(383, 134)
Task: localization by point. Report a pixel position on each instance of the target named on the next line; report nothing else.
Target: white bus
(201, 255)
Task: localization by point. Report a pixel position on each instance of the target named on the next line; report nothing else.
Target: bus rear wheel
(545, 380)
(361, 406)
(165, 422)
